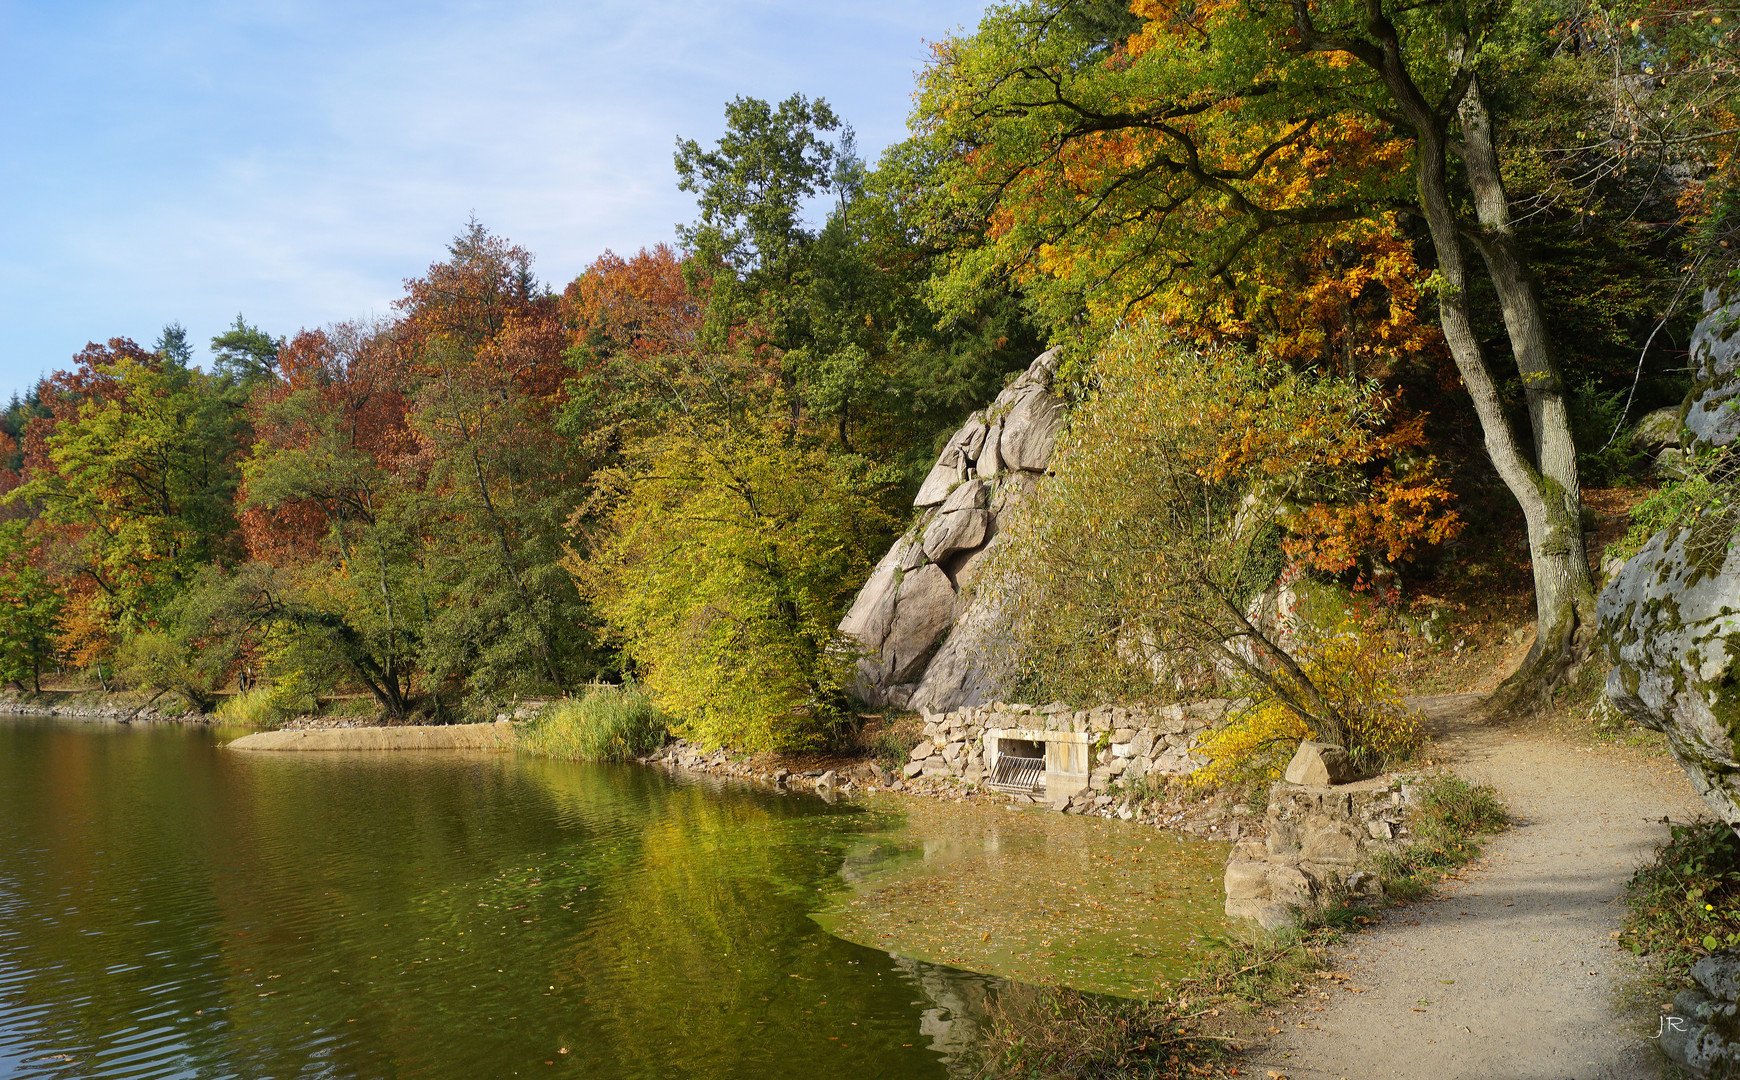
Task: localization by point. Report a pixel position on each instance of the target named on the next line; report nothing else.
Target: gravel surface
(1511, 971)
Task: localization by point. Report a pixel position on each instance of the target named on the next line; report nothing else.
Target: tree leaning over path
(1173, 169)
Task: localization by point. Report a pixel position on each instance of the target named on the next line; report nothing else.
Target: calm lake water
(172, 909)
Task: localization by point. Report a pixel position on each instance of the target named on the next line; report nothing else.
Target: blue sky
(296, 161)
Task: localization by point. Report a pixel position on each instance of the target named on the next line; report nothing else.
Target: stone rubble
(1317, 848)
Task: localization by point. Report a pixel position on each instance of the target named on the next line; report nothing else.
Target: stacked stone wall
(1126, 745)
(1319, 847)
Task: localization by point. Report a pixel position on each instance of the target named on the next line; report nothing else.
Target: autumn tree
(483, 346)
(132, 477)
(1173, 166)
(30, 608)
(335, 533)
(1131, 573)
(723, 567)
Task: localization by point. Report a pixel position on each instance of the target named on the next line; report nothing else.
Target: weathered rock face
(925, 635)
(1670, 615)
(1708, 412)
(1671, 618)
(1702, 1033)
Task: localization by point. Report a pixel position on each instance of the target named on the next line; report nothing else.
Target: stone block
(1247, 881)
(923, 750)
(913, 768)
(1268, 914)
(1290, 885)
(1319, 765)
(1333, 846)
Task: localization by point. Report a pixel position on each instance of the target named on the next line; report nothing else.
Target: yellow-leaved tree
(1134, 573)
(727, 555)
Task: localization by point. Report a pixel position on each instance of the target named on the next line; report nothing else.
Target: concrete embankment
(496, 736)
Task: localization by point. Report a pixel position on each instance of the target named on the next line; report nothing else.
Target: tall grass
(610, 723)
(259, 708)
(1449, 820)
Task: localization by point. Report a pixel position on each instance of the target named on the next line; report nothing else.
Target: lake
(172, 909)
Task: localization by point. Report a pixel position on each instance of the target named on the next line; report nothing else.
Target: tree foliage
(1137, 568)
(723, 568)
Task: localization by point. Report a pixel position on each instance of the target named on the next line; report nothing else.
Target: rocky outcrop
(924, 633)
(1701, 1033)
(1708, 412)
(1318, 848)
(1670, 615)
(1671, 621)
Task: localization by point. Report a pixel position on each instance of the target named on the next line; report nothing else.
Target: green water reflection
(171, 909)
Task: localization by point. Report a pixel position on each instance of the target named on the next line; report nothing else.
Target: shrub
(1132, 576)
(1706, 486)
(610, 723)
(892, 740)
(1063, 1034)
(723, 568)
(259, 707)
(1686, 900)
(1254, 747)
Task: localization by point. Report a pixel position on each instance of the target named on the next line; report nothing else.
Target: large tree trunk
(1564, 594)
(1564, 589)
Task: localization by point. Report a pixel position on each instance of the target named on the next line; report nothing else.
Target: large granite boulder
(1671, 620)
(1701, 1033)
(924, 634)
(1670, 616)
(1708, 413)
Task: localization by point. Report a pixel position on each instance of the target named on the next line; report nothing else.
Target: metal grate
(1018, 774)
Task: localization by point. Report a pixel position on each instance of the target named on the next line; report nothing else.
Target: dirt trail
(1510, 973)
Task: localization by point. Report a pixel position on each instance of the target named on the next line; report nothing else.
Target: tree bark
(1546, 488)
(1564, 588)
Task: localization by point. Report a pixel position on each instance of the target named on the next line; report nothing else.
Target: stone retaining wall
(1122, 745)
(1319, 847)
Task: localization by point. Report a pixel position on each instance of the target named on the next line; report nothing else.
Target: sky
(295, 162)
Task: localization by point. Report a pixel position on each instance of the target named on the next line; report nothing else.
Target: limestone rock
(972, 495)
(1657, 431)
(1030, 431)
(1247, 881)
(1671, 623)
(872, 613)
(990, 461)
(1290, 885)
(1268, 914)
(1320, 765)
(927, 641)
(1702, 1034)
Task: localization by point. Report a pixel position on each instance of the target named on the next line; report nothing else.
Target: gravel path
(1510, 973)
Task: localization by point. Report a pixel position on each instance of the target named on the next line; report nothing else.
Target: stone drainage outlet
(1029, 762)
